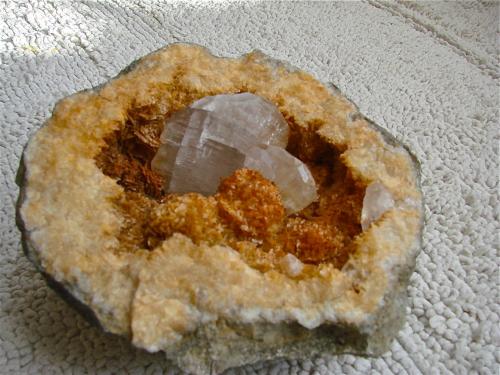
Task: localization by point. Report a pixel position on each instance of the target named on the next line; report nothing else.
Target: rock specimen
(219, 134)
(229, 277)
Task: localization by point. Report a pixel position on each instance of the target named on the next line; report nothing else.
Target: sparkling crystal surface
(216, 135)
(377, 200)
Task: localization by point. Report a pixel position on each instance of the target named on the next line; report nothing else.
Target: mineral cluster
(218, 134)
(223, 211)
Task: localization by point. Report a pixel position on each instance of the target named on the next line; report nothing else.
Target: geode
(220, 280)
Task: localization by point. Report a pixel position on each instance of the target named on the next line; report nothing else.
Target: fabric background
(428, 72)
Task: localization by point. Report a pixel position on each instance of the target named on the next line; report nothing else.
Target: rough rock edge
(326, 339)
(28, 250)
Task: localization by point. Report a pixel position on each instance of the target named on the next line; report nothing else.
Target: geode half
(227, 279)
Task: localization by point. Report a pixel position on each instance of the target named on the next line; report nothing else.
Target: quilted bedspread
(428, 72)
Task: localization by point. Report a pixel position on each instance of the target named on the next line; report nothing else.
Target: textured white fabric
(427, 72)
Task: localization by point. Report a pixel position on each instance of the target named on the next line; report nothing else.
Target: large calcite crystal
(254, 119)
(229, 276)
(217, 135)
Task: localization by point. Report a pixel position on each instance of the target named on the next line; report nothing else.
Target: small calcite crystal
(377, 200)
(291, 265)
(218, 134)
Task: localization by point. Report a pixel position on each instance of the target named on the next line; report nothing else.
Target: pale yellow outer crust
(157, 297)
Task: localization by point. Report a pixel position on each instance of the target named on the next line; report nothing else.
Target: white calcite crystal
(253, 120)
(291, 265)
(216, 135)
(377, 200)
(291, 176)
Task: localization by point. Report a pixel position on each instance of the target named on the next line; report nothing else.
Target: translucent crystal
(216, 135)
(258, 119)
(200, 169)
(291, 265)
(171, 139)
(377, 200)
(293, 178)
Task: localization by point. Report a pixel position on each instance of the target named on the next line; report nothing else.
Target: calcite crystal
(219, 134)
(377, 200)
(254, 120)
(222, 278)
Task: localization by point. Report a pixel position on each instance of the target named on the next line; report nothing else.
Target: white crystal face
(259, 119)
(294, 180)
(216, 135)
(377, 200)
(291, 265)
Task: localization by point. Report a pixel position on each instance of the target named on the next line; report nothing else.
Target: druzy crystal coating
(216, 135)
